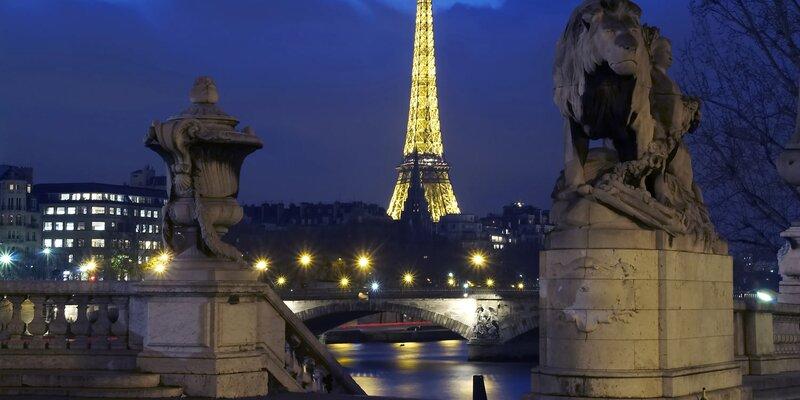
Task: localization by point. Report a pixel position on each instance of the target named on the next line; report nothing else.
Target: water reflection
(435, 370)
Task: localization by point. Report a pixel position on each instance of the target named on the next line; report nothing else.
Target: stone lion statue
(611, 84)
(602, 83)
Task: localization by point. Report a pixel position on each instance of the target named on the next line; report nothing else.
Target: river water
(433, 370)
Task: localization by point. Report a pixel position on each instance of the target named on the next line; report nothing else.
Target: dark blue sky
(325, 83)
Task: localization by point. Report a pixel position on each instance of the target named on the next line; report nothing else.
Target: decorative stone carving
(789, 256)
(204, 154)
(611, 84)
(487, 325)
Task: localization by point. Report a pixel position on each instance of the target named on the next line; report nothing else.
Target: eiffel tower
(423, 154)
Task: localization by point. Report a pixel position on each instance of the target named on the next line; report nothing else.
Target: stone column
(202, 321)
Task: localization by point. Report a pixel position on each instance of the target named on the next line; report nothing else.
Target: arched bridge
(497, 324)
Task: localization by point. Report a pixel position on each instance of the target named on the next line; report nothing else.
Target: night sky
(325, 84)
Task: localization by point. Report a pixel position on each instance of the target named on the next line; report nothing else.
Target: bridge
(498, 324)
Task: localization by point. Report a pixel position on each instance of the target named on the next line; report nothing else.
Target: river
(432, 370)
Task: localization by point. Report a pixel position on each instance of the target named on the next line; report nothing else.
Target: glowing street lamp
(47, 251)
(451, 281)
(363, 262)
(281, 281)
(305, 259)
(160, 268)
(408, 279)
(520, 286)
(6, 259)
(477, 259)
(88, 266)
(164, 257)
(262, 264)
(489, 282)
(375, 286)
(344, 282)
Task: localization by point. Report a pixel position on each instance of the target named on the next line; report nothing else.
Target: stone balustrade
(767, 337)
(78, 325)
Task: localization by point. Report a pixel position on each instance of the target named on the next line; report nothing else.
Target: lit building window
(155, 214)
(97, 243)
(149, 213)
(48, 226)
(98, 226)
(81, 226)
(98, 210)
(76, 196)
(71, 210)
(64, 196)
(86, 196)
(58, 243)
(50, 210)
(69, 242)
(120, 198)
(47, 243)
(59, 226)
(71, 258)
(84, 210)
(70, 226)
(60, 211)
(97, 196)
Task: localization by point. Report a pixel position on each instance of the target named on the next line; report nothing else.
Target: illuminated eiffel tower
(423, 155)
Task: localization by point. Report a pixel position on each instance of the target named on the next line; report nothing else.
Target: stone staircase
(86, 384)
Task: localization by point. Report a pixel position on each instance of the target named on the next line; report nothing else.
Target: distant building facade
(82, 221)
(518, 223)
(465, 229)
(20, 223)
(147, 178)
(276, 215)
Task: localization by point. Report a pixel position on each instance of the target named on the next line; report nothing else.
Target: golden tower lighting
(423, 154)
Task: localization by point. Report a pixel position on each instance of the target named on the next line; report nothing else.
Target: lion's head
(603, 44)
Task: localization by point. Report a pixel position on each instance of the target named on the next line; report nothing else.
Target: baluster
(101, 324)
(120, 326)
(6, 310)
(16, 327)
(80, 327)
(57, 326)
(37, 325)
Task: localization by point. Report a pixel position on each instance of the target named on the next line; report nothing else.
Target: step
(51, 393)
(77, 379)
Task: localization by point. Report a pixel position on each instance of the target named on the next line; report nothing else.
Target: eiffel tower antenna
(423, 150)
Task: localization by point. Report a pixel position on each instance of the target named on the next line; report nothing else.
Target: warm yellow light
(281, 281)
(89, 266)
(451, 281)
(261, 264)
(164, 257)
(363, 262)
(408, 279)
(490, 282)
(520, 286)
(344, 282)
(305, 259)
(477, 259)
(160, 268)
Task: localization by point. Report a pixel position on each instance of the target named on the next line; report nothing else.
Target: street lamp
(47, 251)
(280, 281)
(305, 259)
(408, 279)
(489, 282)
(363, 262)
(262, 264)
(477, 259)
(375, 286)
(6, 259)
(344, 282)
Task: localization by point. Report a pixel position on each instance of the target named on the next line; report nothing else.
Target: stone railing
(767, 337)
(85, 325)
(65, 325)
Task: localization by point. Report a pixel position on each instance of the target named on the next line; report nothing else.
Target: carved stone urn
(789, 258)
(204, 152)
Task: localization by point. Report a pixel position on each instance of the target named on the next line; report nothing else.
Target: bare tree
(743, 61)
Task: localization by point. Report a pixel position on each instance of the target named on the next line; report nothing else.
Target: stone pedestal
(210, 331)
(633, 313)
(789, 267)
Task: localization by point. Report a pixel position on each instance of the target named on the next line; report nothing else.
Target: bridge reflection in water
(433, 370)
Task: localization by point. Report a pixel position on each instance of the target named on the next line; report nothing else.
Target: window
(58, 226)
(81, 226)
(70, 226)
(64, 196)
(149, 228)
(98, 210)
(120, 198)
(11, 187)
(98, 226)
(84, 210)
(150, 213)
(58, 243)
(50, 210)
(68, 242)
(71, 258)
(86, 196)
(60, 211)
(97, 243)
(119, 211)
(71, 210)
(97, 196)
(76, 196)
(48, 226)
(47, 243)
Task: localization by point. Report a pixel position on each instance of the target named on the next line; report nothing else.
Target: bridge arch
(324, 317)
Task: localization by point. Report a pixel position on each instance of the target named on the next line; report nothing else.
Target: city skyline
(99, 83)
